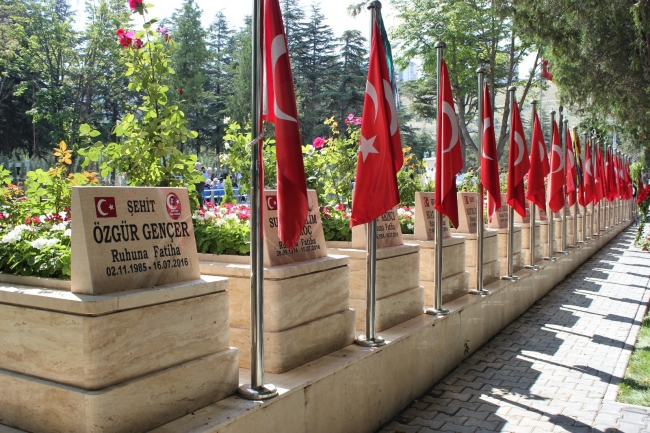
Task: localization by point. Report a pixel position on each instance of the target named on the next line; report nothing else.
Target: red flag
(280, 109)
(380, 150)
(545, 72)
(489, 160)
(539, 166)
(570, 170)
(582, 201)
(628, 181)
(610, 174)
(599, 178)
(518, 163)
(556, 176)
(449, 159)
(588, 175)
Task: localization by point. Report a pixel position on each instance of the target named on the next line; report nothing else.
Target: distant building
(412, 72)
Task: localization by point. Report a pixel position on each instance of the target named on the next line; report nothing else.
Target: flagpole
(370, 339)
(563, 228)
(607, 225)
(578, 191)
(480, 205)
(549, 212)
(594, 149)
(257, 390)
(511, 210)
(533, 207)
(585, 238)
(437, 306)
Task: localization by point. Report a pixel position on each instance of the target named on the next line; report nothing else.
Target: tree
(239, 71)
(354, 67)
(476, 33)
(190, 60)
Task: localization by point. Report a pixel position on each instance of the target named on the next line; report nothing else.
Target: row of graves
(148, 331)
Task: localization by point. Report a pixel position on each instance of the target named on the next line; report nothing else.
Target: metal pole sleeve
(511, 211)
(371, 278)
(578, 191)
(563, 157)
(257, 188)
(440, 50)
(531, 219)
(480, 205)
(550, 213)
(584, 217)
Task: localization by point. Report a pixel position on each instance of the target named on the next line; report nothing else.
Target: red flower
(125, 38)
(179, 90)
(137, 43)
(135, 4)
(32, 220)
(319, 142)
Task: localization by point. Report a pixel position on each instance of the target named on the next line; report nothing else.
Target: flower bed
(222, 229)
(38, 247)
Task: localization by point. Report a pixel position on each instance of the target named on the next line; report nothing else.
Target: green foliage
(238, 156)
(331, 169)
(636, 169)
(408, 178)
(231, 238)
(229, 193)
(635, 387)
(150, 135)
(336, 223)
(470, 182)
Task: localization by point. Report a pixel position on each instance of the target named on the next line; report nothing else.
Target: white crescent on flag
(279, 48)
(99, 207)
(486, 125)
(388, 94)
(372, 92)
(448, 110)
(520, 148)
(557, 149)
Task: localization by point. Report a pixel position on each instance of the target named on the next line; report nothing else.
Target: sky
(335, 12)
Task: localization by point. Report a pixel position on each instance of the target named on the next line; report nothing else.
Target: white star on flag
(366, 147)
(110, 207)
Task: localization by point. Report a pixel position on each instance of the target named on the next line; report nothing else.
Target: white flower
(67, 233)
(15, 234)
(210, 215)
(410, 226)
(59, 227)
(226, 120)
(41, 243)
(226, 145)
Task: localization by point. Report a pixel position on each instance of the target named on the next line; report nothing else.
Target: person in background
(201, 185)
(205, 173)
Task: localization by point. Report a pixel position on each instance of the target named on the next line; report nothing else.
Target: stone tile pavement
(558, 366)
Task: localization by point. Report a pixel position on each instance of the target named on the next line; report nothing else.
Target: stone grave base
(491, 266)
(525, 243)
(455, 280)
(518, 257)
(399, 294)
(300, 301)
(121, 362)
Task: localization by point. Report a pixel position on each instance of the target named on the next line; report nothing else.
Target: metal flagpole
(257, 390)
(511, 212)
(533, 207)
(584, 217)
(480, 227)
(437, 307)
(600, 221)
(371, 339)
(607, 224)
(549, 212)
(563, 127)
(595, 230)
(578, 191)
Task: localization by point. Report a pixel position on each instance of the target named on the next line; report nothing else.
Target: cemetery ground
(559, 367)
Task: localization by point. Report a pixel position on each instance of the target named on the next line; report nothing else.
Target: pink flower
(339, 207)
(357, 121)
(135, 4)
(350, 116)
(319, 142)
(162, 30)
(137, 43)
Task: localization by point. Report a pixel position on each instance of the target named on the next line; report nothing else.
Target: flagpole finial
(480, 70)
(512, 89)
(374, 4)
(561, 109)
(440, 44)
(533, 102)
(552, 112)
(566, 121)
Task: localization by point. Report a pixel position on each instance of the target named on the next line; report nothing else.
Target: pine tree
(239, 71)
(353, 74)
(189, 60)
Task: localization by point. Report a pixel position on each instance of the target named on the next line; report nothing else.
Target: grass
(635, 388)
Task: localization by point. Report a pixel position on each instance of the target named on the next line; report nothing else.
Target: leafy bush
(222, 229)
(336, 223)
(228, 192)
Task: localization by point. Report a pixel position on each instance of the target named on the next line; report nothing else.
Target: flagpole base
(258, 393)
(533, 267)
(562, 252)
(372, 342)
(510, 278)
(434, 312)
(550, 259)
(481, 292)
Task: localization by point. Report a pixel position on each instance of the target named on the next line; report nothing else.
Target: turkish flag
(588, 175)
(556, 176)
(105, 207)
(280, 109)
(518, 163)
(579, 172)
(610, 174)
(380, 151)
(571, 186)
(539, 166)
(489, 160)
(449, 158)
(599, 178)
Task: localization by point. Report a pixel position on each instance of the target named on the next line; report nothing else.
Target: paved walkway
(557, 367)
